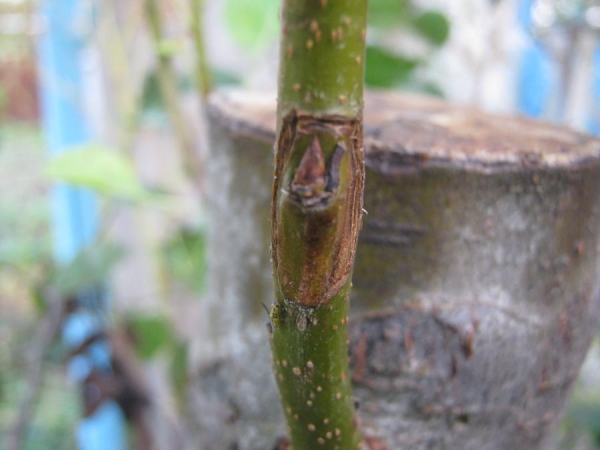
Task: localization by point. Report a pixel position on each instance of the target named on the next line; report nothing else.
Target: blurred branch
(203, 77)
(114, 42)
(35, 356)
(168, 85)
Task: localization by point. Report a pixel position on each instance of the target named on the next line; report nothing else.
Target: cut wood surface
(476, 287)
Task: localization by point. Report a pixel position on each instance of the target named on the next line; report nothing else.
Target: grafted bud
(310, 180)
(317, 207)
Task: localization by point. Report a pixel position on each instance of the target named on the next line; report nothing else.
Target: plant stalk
(316, 216)
(168, 85)
(203, 76)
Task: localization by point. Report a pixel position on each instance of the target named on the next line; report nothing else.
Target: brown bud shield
(317, 194)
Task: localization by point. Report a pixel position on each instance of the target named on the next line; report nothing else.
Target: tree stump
(476, 290)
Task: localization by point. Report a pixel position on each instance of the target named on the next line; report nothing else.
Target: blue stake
(75, 211)
(539, 86)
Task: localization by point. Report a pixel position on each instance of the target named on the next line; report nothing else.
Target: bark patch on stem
(317, 194)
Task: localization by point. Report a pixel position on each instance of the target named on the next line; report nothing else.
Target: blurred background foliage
(150, 251)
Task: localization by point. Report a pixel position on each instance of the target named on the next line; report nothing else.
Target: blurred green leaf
(385, 69)
(253, 23)
(89, 269)
(100, 168)
(387, 13)
(433, 26)
(185, 258)
(151, 334)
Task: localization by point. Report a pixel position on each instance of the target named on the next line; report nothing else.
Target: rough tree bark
(476, 289)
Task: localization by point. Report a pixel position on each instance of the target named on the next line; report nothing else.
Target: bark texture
(476, 289)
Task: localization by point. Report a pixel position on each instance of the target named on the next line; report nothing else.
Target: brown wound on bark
(317, 210)
(310, 179)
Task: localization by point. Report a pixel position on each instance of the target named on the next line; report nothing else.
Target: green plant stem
(203, 76)
(113, 42)
(322, 56)
(316, 215)
(170, 93)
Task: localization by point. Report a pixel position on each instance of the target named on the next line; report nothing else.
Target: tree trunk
(476, 290)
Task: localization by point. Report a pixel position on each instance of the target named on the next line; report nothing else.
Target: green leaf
(151, 334)
(252, 23)
(433, 26)
(89, 269)
(387, 70)
(387, 13)
(98, 167)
